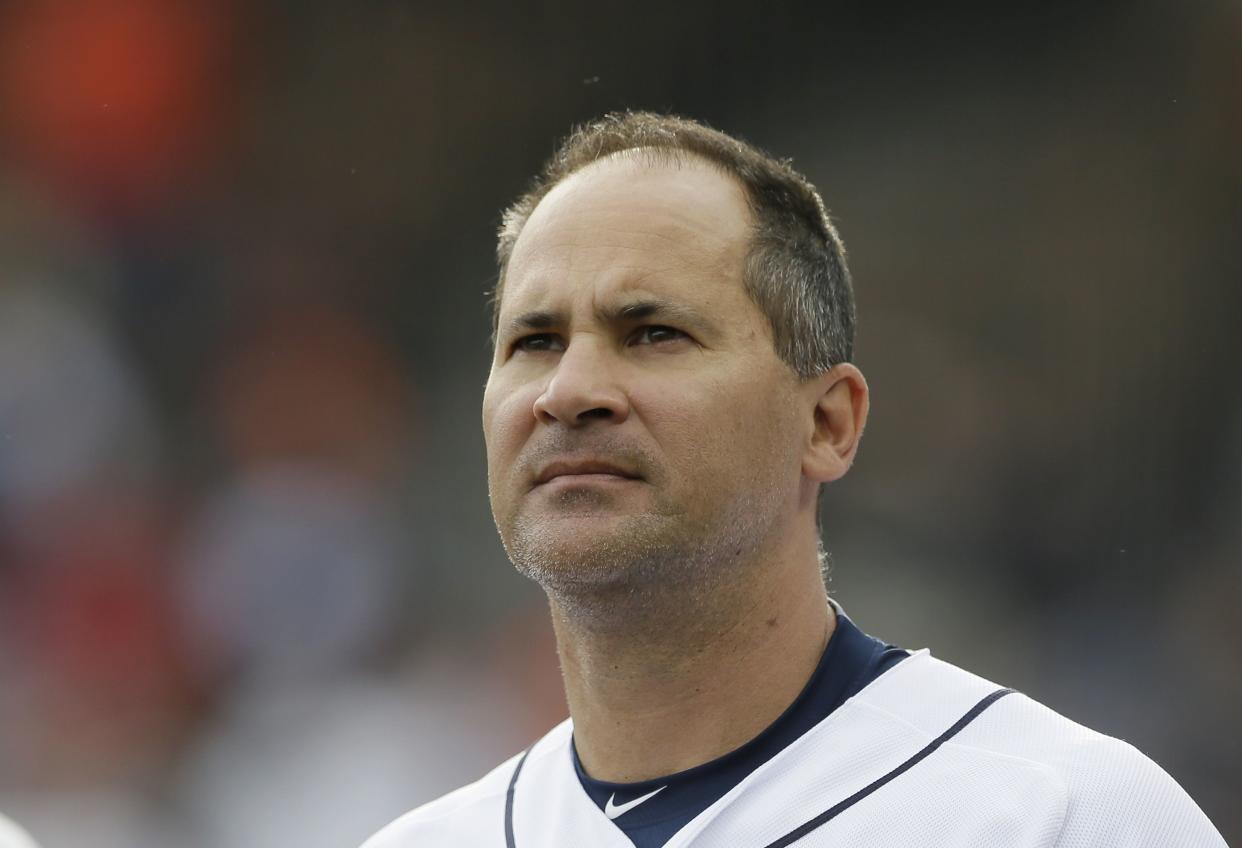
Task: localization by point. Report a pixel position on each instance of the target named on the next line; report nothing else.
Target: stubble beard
(604, 568)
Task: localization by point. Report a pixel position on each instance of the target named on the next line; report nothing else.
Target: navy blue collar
(851, 660)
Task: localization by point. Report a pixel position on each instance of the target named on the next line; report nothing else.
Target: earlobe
(841, 400)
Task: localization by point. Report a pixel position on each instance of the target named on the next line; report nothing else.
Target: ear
(840, 401)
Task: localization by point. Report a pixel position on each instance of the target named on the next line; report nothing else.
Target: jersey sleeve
(1121, 799)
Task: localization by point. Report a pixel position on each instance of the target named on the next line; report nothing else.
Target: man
(670, 388)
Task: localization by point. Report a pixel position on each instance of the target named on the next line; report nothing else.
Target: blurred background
(250, 591)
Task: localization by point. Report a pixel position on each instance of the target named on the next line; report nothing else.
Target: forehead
(632, 220)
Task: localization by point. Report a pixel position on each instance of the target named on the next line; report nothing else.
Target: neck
(697, 678)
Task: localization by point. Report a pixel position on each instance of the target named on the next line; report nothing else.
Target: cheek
(508, 419)
(721, 429)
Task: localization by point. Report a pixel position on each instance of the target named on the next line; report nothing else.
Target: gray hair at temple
(795, 269)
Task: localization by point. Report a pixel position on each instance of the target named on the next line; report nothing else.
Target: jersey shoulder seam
(973, 748)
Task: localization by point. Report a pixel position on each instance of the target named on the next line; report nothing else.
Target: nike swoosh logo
(613, 810)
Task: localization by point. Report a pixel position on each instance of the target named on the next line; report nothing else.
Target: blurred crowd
(250, 594)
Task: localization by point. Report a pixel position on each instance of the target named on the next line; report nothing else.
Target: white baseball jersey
(925, 755)
(12, 836)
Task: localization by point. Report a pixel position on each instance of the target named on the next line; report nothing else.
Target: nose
(583, 388)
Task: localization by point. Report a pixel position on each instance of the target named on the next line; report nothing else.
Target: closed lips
(565, 469)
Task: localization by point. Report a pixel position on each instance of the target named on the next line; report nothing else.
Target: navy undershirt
(851, 660)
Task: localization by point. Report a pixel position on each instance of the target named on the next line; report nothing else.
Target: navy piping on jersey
(850, 662)
(509, 840)
(833, 811)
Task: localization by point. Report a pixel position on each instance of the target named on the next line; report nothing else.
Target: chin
(582, 548)
(607, 556)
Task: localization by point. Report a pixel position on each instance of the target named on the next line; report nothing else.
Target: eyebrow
(638, 310)
(642, 310)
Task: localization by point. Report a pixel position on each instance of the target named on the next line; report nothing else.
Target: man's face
(639, 424)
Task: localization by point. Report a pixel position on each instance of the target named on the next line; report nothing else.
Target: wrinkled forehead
(631, 219)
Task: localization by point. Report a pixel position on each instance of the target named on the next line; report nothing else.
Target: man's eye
(538, 342)
(656, 334)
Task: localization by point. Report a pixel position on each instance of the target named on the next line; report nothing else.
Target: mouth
(584, 471)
